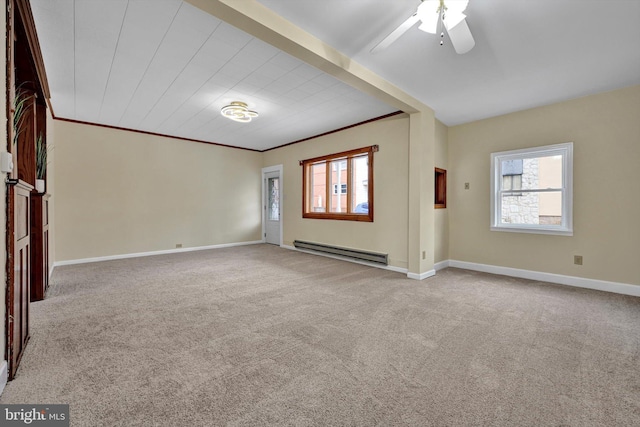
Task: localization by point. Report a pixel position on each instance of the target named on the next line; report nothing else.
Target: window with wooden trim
(440, 201)
(339, 186)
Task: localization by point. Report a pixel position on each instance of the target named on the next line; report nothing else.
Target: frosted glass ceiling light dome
(238, 111)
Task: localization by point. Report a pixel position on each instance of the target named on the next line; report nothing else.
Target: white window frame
(343, 189)
(566, 151)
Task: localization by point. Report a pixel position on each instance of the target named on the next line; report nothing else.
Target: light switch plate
(6, 162)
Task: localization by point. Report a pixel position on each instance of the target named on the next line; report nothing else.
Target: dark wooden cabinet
(39, 245)
(27, 211)
(19, 274)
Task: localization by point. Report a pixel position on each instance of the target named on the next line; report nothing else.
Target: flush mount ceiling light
(238, 111)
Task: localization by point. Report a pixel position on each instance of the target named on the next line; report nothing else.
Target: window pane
(512, 182)
(274, 199)
(360, 185)
(551, 208)
(512, 167)
(318, 185)
(341, 165)
(532, 208)
(339, 180)
(550, 171)
(542, 173)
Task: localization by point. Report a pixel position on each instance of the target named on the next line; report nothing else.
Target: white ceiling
(528, 53)
(164, 66)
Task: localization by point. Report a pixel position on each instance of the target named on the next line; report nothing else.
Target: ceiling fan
(434, 15)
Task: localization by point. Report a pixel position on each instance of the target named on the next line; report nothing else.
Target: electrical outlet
(577, 259)
(424, 254)
(178, 245)
(466, 185)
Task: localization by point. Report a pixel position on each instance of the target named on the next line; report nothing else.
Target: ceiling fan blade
(460, 36)
(395, 34)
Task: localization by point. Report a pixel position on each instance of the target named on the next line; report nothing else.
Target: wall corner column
(421, 238)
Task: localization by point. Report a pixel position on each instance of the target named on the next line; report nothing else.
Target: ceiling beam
(259, 21)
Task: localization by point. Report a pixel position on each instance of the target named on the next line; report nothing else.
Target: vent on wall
(374, 257)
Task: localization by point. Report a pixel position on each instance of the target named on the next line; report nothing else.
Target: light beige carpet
(259, 335)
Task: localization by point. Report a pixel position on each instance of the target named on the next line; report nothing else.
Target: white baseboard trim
(580, 282)
(421, 276)
(4, 375)
(143, 254)
(441, 265)
(355, 261)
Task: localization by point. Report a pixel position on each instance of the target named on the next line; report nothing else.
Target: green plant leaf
(41, 157)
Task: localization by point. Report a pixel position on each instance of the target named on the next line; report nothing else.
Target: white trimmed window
(532, 190)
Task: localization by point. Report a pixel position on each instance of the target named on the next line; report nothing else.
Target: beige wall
(120, 192)
(605, 130)
(51, 190)
(388, 232)
(148, 193)
(441, 244)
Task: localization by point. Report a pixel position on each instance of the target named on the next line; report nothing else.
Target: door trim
(265, 171)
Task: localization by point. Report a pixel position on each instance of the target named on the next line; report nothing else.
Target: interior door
(272, 208)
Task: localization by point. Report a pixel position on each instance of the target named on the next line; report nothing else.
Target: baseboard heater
(374, 257)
